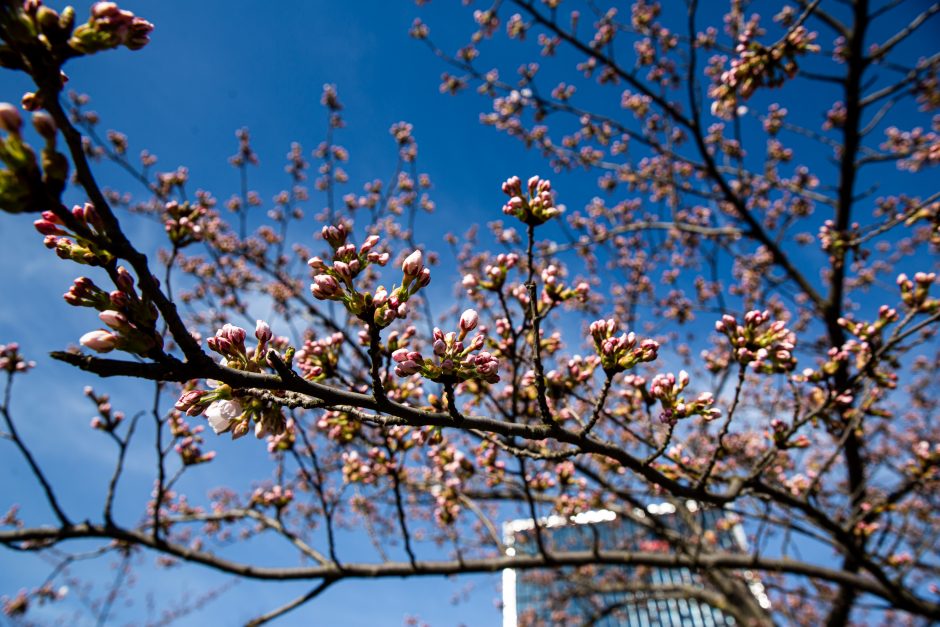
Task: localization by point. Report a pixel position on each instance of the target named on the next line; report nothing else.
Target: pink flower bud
(413, 264)
(119, 299)
(125, 281)
(10, 119)
(380, 297)
(424, 277)
(138, 33)
(407, 368)
(105, 9)
(188, 400)
(345, 251)
(512, 186)
(335, 235)
(48, 228)
(468, 321)
(683, 378)
(30, 101)
(385, 316)
(44, 125)
(377, 258)
(325, 287)
(369, 244)
(317, 264)
(342, 270)
(236, 335)
(114, 319)
(100, 341)
(263, 332)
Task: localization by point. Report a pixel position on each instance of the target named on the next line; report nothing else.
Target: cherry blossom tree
(742, 322)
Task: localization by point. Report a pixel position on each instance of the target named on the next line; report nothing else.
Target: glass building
(611, 596)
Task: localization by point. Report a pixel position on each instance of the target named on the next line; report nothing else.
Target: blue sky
(213, 67)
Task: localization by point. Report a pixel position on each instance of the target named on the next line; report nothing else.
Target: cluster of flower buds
(450, 468)
(339, 426)
(865, 528)
(869, 332)
(131, 321)
(766, 346)
(835, 242)
(758, 65)
(227, 413)
(285, 440)
(494, 274)
(193, 402)
(246, 153)
(52, 27)
(11, 361)
(453, 358)
(391, 305)
(782, 438)
(798, 484)
(229, 341)
(667, 388)
(926, 461)
(84, 293)
(110, 27)
(576, 372)
(335, 281)
(23, 187)
(837, 357)
(900, 560)
(107, 419)
(83, 247)
(487, 459)
(182, 222)
(556, 291)
(16, 607)
(536, 205)
(619, 353)
(359, 469)
(188, 441)
(916, 148)
(318, 358)
(277, 497)
(914, 293)
(869, 337)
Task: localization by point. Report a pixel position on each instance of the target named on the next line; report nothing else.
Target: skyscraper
(616, 595)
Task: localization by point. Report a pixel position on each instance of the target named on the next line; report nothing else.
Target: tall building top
(617, 595)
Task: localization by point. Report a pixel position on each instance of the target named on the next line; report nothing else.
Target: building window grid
(532, 600)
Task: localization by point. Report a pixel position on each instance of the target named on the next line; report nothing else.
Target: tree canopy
(734, 322)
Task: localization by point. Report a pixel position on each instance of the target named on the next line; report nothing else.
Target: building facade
(611, 596)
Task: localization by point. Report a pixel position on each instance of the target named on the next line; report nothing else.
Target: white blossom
(222, 413)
